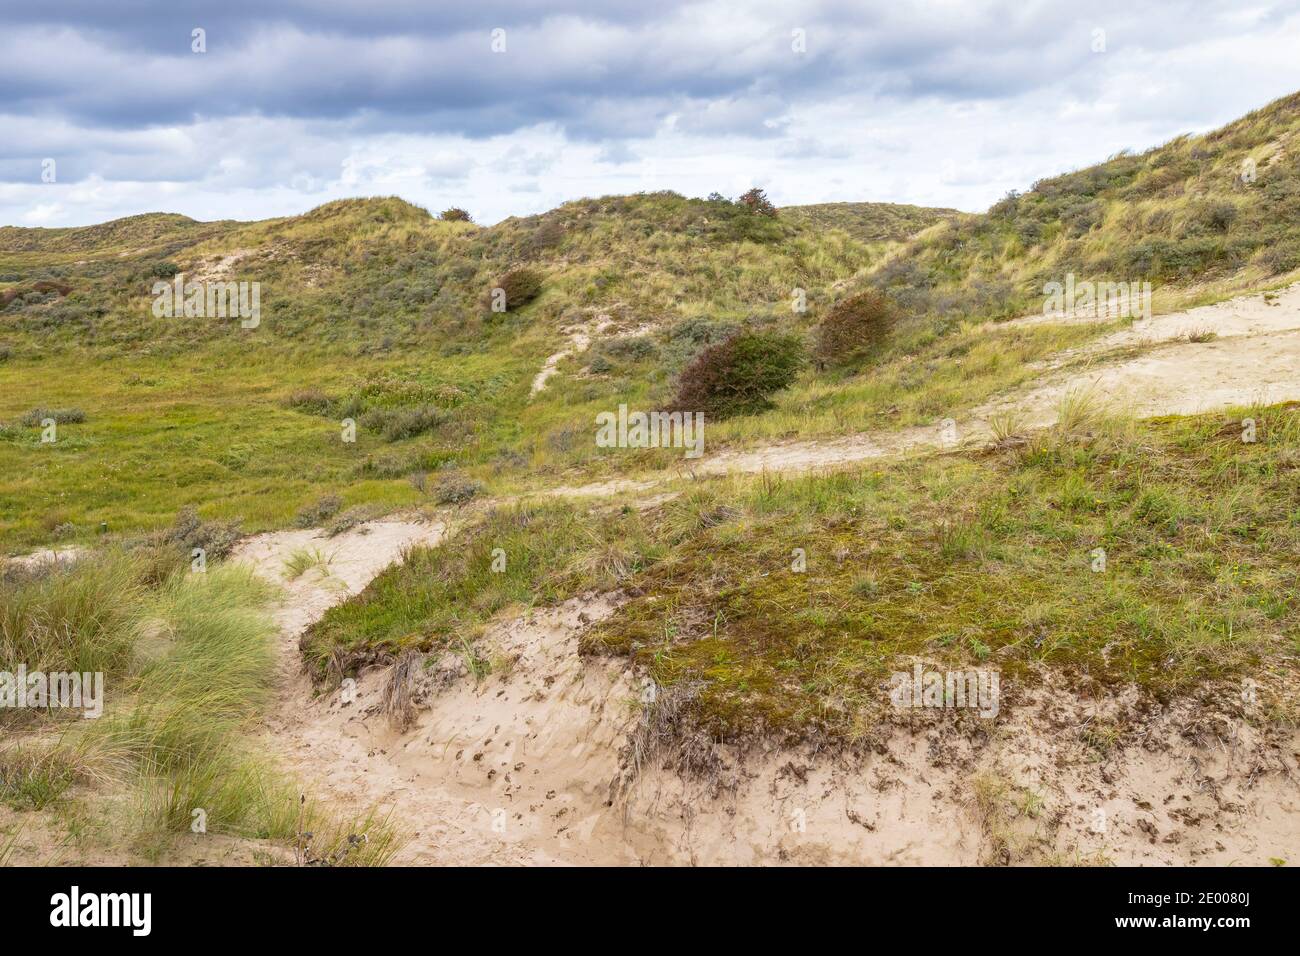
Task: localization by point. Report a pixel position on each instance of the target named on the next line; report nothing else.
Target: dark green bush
(520, 286)
(738, 376)
(756, 201)
(455, 214)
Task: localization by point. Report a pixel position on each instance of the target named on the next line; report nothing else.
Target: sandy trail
(580, 338)
(526, 764)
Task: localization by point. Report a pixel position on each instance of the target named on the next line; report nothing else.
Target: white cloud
(938, 103)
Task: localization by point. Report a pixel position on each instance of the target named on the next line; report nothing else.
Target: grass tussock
(188, 667)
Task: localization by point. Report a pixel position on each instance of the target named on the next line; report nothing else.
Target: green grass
(303, 560)
(188, 666)
(377, 309)
(867, 221)
(1180, 216)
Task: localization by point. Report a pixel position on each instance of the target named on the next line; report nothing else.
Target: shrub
(310, 400)
(314, 515)
(398, 423)
(855, 328)
(455, 490)
(455, 214)
(520, 286)
(631, 347)
(358, 514)
(547, 236)
(756, 201)
(1278, 258)
(216, 538)
(737, 376)
(700, 331)
(62, 416)
(1217, 216)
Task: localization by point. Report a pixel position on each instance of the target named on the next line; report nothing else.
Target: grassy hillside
(868, 221)
(375, 311)
(1196, 217)
(373, 305)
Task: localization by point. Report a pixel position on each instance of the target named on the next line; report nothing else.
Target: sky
(247, 109)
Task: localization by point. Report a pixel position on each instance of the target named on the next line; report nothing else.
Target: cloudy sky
(510, 107)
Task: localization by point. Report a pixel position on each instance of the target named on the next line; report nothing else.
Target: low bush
(396, 424)
(455, 490)
(738, 376)
(315, 515)
(62, 416)
(216, 538)
(855, 328)
(520, 286)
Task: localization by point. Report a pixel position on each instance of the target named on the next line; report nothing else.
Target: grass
(72, 620)
(1181, 216)
(983, 560)
(375, 308)
(188, 668)
(303, 560)
(443, 596)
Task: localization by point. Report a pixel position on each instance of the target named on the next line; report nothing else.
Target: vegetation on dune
(984, 559)
(739, 376)
(187, 665)
(442, 597)
(1209, 209)
(373, 310)
(868, 221)
(855, 329)
(518, 288)
(756, 201)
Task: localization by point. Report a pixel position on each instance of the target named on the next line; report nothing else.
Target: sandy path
(515, 768)
(579, 341)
